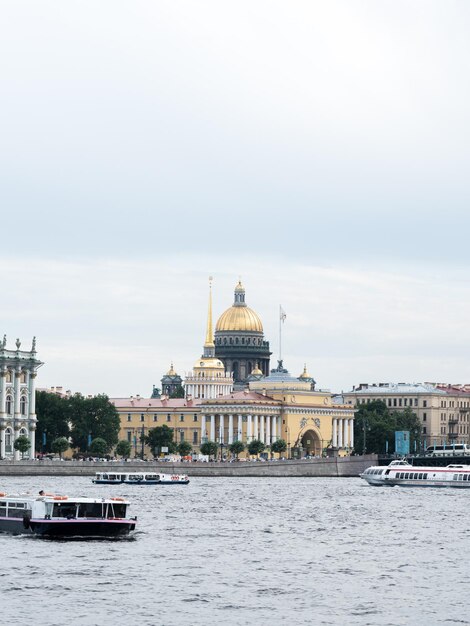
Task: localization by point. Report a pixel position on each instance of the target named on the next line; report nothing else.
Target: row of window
(9, 377)
(169, 418)
(256, 342)
(395, 402)
(463, 404)
(462, 477)
(412, 475)
(9, 405)
(136, 440)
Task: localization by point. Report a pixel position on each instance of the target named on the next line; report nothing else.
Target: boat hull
(402, 474)
(68, 528)
(141, 482)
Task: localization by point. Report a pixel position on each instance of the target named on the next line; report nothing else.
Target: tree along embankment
(331, 467)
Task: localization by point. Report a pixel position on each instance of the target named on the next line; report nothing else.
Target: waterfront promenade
(328, 467)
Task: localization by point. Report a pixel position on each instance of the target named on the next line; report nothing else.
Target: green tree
(255, 447)
(160, 437)
(53, 415)
(375, 427)
(372, 427)
(184, 448)
(123, 448)
(93, 417)
(209, 448)
(279, 446)
(60, 445)
(177, 393)
(99, 447)
(236, 448)
(22, 444)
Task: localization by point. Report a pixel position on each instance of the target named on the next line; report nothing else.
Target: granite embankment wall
(345, 467)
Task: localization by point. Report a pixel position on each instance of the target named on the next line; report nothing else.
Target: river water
(249, 550)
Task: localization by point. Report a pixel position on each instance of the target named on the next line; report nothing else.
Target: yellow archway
(311, 443)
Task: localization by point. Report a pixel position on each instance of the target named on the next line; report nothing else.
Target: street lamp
(221, 446)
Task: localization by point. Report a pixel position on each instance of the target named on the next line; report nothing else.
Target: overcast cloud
(318, 149)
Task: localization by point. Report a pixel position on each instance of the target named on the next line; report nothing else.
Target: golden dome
(305, 374)
(171, 371)
(256, 371)
(209, 363)
(239, 317)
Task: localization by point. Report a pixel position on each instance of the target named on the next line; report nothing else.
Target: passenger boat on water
(402, 474)
(136, 478)
(57, 516)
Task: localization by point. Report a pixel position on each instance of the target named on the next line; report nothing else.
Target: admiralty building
(232, 394)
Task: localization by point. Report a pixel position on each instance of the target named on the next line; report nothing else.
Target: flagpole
(280, 333)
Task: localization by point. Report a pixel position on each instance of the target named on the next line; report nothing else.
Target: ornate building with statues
(281, 406)
(18, 371)
(239, 340)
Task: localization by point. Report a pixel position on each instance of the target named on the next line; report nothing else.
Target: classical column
(335, 433)
(221, 428)
(256, 432)
(17, 393)
(240, 429)
(3, 391)
(230, 429)
(274, 436)
(203, 428)
(345, 436)
(212, 427)
(32, 439)
(261, 429)
(351, 432)
(340, 433)
(268, 430)
(249, 429)
(2, 441)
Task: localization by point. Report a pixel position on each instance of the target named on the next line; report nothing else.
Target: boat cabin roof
(61, 498)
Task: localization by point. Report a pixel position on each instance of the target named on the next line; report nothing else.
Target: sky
(319, 150)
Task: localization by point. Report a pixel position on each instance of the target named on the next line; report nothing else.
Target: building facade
(18, 371)
(138, 415)
(442, 409)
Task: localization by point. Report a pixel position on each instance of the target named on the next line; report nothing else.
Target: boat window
(406, 475)
(151, 477)
(3, 509)
(136, 477)
(117, 510)
(64, 509)
(91, 509)
(420, 476)
(16, 509)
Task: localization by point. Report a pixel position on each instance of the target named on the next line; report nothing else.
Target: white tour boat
(403, 474)
(50, 515)
(139, 478)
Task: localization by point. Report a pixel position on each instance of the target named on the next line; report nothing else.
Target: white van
(449, 450)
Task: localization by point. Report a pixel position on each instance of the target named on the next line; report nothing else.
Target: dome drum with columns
(239, 340)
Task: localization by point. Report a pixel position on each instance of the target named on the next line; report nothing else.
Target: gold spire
(209, 334)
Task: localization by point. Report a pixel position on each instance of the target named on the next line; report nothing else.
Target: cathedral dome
(239, 317)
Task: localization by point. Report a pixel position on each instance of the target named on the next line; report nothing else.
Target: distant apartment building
(443, 409)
